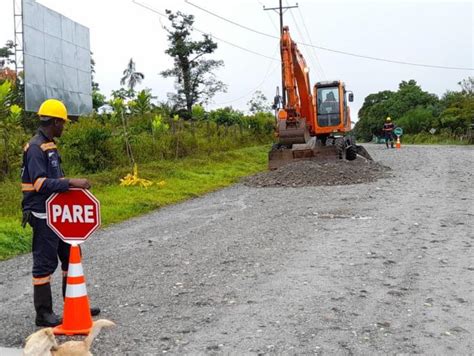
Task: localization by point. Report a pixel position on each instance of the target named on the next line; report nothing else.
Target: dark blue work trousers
(47, 248)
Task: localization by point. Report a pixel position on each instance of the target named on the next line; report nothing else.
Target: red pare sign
(73, 215)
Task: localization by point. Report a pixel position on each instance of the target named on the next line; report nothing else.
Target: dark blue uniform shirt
(388, 127)
(41, 173)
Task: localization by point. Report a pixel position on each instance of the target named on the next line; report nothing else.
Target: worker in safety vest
(41, 176)
(388, 128)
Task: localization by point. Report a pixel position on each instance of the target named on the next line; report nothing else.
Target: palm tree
(131, 75)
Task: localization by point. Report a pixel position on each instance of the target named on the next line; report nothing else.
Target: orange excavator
(311, 125)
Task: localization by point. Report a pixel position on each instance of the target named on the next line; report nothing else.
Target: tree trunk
(193, 127)
(6, 161)
(173, 127)
(187, 85)
(128, 147)
(177, 139)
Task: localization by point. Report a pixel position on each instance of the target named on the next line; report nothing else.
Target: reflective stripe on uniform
(48, 146)
(75, 270)
(76, 290)
(27, 187)
(41, 280)
(39, 215)
(39, 183)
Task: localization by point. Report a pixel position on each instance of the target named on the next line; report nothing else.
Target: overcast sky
(425, 32)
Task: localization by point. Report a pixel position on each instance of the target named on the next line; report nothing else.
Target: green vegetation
(437, 139)
(450, 118)
(185, 178)
(195, 81)
(103, 142)
(12, 136)
(192, 150)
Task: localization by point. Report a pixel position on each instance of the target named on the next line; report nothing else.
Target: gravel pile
(316, 173)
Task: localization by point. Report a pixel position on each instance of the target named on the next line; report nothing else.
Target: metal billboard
(57, 60)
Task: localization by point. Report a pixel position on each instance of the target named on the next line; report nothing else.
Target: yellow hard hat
(53, 108)
(388, 119)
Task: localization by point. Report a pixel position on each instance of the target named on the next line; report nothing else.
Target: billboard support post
(18, 34)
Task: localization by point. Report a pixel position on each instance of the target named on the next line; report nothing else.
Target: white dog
(43, 342)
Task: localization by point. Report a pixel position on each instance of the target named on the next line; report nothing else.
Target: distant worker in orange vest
(388, 128)
(42, 176)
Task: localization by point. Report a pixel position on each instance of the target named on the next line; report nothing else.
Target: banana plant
(119, 112)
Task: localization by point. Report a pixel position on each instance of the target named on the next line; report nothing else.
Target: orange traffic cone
(398, 144)
(77, 318)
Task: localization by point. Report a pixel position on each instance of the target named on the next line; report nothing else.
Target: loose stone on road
(383, 266)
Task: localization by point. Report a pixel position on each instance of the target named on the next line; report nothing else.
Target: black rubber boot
(94, 310)
(44, 306)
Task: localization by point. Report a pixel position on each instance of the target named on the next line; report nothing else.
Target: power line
(203, 32)
(318, 62)
(239, 47)
(271, 18)
(330, 49)
(269, 70)
(280, 10)
(230, 21)
(311, 55)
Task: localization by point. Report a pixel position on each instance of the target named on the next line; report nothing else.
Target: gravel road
(384, 267)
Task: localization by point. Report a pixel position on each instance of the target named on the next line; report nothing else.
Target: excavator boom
(296, 119)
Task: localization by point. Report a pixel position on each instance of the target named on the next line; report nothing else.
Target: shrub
(86, 146)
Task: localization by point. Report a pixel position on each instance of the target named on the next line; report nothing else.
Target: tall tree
(259, 103)
(467, 86)
(7, 74)
(195, 81)
(131, 76)
(5, 53)
(400, 104)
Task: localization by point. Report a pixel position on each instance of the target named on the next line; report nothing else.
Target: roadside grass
(184, 179)
(429, 139)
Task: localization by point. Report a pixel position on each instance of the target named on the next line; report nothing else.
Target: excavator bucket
(361, 151)
(281, 155)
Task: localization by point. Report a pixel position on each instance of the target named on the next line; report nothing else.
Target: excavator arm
(296, 79)
(296, 118)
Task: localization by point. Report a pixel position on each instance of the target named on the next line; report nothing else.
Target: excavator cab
(332, 111)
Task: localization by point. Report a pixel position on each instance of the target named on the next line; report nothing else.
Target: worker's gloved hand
(25, 219)
(79, 183)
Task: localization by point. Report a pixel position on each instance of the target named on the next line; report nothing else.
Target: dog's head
(40, 343)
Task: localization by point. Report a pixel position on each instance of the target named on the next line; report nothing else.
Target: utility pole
(281, 10)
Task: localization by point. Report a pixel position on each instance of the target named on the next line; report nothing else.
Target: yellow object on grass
(132, 179)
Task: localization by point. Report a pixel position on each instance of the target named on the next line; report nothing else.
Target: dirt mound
(316, 173)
